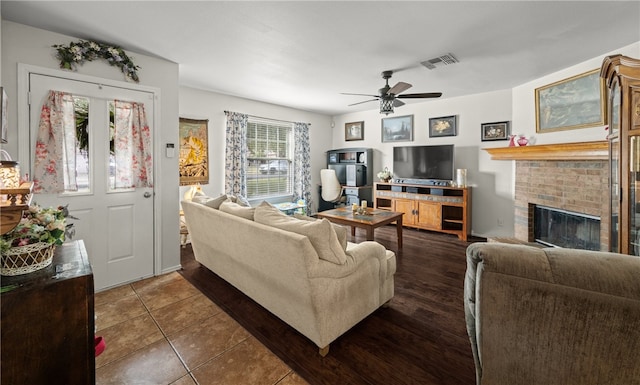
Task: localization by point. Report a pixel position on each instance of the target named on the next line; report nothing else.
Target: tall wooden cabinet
(48, 322)
(622, 79)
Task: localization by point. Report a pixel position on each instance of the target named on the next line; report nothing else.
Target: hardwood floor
(419, 339)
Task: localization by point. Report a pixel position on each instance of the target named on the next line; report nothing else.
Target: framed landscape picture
(397, 129)
(444, 126)
(194, 154)
(354, 131)
(494, 131)
(577, 102)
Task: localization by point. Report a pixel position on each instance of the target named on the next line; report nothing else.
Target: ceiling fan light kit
(386, 106)
(388, 96)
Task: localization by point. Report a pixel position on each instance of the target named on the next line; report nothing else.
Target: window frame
(264, 132)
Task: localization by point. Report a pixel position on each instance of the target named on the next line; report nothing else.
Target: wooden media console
(436, 208)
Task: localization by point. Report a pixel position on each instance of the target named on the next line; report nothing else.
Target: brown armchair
(552, 316)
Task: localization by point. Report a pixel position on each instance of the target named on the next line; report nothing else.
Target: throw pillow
(321, 234)
(242, 201)
(209, 201)
(341, 231)
(237, 210)
(239, 199)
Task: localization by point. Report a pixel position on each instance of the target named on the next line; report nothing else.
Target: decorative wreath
(81, 51)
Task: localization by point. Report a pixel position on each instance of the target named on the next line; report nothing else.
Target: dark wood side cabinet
(48, 322)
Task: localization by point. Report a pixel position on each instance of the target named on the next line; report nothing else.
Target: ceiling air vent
(439, 61)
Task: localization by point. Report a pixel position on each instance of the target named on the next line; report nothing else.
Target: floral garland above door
(79, 52)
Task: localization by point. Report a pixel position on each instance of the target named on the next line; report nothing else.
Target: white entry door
(116, 224)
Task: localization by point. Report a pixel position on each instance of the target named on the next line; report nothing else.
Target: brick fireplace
(571, 177)
(577, 186)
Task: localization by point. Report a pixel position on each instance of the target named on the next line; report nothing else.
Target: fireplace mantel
(561, 151)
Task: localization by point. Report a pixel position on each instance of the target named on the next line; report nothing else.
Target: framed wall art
(194, 154)
(397, 129)
(354, 131)
(494, 131)
(576, 102)
(444, 126)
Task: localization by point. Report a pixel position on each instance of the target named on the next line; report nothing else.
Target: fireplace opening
(561, 228)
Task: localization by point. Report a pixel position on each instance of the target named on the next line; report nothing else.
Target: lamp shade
(9, 174)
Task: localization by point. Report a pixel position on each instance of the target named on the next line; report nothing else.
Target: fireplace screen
(560, 228)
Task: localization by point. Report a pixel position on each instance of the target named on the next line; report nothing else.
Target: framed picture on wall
(397, 129)
(494, 131)
(576, 102)
(444, 126)
(354, 131)
(194, 154)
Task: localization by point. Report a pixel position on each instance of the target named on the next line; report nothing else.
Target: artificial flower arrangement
(81, 51)
(385, 175)
(38, 224)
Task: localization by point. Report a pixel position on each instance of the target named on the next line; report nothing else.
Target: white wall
(493, 181)
(24, 44)
(199, 104)
(524, 113)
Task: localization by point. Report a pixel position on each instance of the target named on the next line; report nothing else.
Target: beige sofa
(552, 316)
(303, 271)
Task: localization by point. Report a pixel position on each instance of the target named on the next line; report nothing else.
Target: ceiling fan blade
(366, 101)
(419, 96)
(399, 87)
(397, 103)
(373, 96)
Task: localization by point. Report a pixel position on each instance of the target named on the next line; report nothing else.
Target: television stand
(437, 208)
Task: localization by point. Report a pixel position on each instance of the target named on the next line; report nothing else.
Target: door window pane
(83, 171)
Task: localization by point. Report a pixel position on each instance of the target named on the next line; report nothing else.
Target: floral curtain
(236, 154)
(301, 159)
(132, 145)
(55, 152)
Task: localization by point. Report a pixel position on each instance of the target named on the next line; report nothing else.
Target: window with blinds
(269, 159)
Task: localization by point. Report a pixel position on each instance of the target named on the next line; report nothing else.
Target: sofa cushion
(320, 232)
(237, 210)
(341, 231)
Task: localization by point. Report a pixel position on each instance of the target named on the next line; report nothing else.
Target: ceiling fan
(389, 96)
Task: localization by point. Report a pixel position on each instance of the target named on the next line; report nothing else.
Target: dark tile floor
(162, 330)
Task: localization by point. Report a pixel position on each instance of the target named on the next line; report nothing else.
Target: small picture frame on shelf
(494, 131)
(354, 131)
(444, 126)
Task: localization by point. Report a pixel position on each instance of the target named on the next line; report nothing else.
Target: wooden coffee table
(374, 218)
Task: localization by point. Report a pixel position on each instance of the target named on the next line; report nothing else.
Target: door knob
(147, 194)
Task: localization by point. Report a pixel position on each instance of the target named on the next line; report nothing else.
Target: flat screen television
(424, 162)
